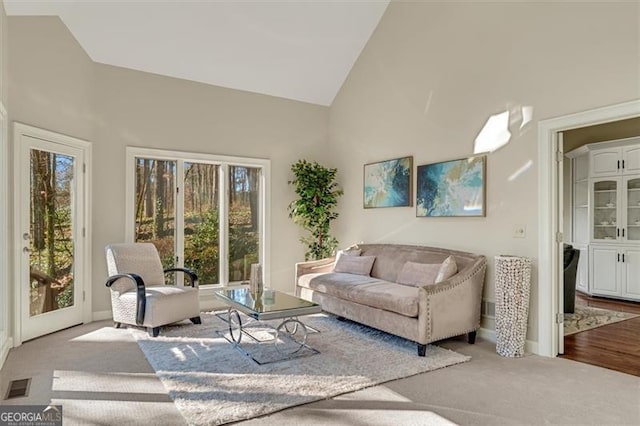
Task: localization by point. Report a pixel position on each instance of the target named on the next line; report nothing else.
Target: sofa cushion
(360, 265)
(349, 251)
(448, 269)
(365, 290)
(418, 274)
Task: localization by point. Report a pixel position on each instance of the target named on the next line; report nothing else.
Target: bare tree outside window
(51, 230)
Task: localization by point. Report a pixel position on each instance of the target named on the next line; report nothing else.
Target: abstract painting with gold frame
(452, 188)
(388, 183)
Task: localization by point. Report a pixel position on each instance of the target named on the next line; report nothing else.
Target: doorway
(51, 228)
(598, 330)
(550, 210)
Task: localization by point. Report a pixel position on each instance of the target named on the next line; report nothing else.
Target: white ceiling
(295, 49)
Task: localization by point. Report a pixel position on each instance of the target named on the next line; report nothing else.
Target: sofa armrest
(314, 267)
(452, 307)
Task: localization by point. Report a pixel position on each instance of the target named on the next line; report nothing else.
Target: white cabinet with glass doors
(605, 215)
(615, 210)
(615, 260)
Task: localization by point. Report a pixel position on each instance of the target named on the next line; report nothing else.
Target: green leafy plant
(315, 208)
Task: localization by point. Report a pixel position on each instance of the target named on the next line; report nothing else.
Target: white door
(605, 216)
(605, 162)
(630, 222)
(631, 158)
(631, 273)
(51, 218)
(605, 273)
(560, 242)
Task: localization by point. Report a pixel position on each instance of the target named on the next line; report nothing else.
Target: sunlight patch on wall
(527, 115)
(520, 171)
(495, 134)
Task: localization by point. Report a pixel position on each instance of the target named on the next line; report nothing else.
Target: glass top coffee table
(288, 335)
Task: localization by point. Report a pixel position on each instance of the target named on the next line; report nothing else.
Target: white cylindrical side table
(513, 284)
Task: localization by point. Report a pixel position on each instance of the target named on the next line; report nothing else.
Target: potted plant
(315, 208)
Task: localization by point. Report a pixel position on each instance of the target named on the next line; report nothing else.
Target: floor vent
(18, 388)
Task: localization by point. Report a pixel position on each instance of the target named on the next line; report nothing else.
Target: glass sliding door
(244, 220)
(155, 206)
(201, 216)
(202, 212)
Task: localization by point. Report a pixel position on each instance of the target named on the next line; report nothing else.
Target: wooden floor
(615, 346)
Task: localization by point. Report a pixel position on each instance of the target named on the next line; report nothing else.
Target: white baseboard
(101, 315)
(490, 335)
(4, 350)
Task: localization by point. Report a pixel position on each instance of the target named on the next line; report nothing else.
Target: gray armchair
(571, 257)
(139, 295)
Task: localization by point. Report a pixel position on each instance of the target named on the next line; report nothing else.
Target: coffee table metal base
(289, 337)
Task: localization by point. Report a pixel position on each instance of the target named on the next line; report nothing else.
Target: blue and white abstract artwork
(451, 188)
(388, 183)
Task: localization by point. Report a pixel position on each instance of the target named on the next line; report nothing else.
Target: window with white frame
(203, 212)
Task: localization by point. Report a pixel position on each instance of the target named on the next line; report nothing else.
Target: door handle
(26, 236)
(618, 257)
(622, 257)
(623, 232)
(26, 249)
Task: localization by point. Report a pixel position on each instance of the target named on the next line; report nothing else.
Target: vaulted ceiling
(295, 49)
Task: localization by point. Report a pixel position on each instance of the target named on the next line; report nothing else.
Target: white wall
(57, 87)
(4, 203)
(432, 74)
(151, 111)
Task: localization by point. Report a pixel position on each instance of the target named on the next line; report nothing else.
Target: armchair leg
(471, 337)
(422, 349)
(196, 320)
(154, 331)
(117, 324)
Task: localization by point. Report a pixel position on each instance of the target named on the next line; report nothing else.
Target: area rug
(212, 383)
(587, 318)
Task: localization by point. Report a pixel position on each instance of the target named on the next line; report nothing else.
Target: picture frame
(455, 188)
(388, 183)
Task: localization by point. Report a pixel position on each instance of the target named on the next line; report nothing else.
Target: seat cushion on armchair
(165, 305)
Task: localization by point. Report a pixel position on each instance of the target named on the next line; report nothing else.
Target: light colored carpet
(587, 318)
(213, 383)
(486, 391)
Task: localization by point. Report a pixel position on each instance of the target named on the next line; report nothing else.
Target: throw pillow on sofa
(359, 265)
(419, 274)
(448, 269)
(349, 251)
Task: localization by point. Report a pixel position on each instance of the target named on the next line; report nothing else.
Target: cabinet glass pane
(605, 210)
(633, 209)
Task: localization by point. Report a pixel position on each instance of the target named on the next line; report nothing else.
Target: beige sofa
(422, 314)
